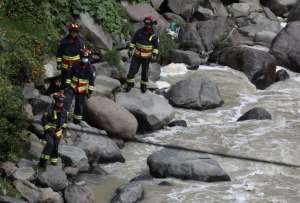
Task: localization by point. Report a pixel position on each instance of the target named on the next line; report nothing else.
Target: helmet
(150, 20)
(59, 97)
(85, 55)
(74, 27)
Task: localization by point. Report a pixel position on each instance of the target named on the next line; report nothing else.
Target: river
(217, 130)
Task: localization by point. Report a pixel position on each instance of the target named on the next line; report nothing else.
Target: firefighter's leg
(69, 95)
(45, 156)
(63, 78)
(145, 69)
(54, 154)
(79, 101)
(133, 69)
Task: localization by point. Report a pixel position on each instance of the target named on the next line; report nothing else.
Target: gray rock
(153, 74)
(185, 165)
(53, 177)
(295, 13)
(50, 69)
(104, 86)
(114, 119)
(74, 156)
(280, 7)
(188, 57)
(94, 32)
(259, 66)
(36, 126)
(97, 147)
(239, 9)
(174, 17)
(282, 75)
(33, 194)
(7, 169)
(218, 8)
(265, 37)
(137, 13)
(30, 92)
(179, 7)
(78, 194)
(196, 92)
(130, 193)
(24, 173)
(40, 104)
(156, 3)
(26, 163)
(256, 113)
(151, 111)
(36, 147)
(203, 13)
(6, 199)
(181, 123)
(285, 47)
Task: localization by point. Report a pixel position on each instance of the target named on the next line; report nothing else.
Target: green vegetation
(6, 188)
(166, 45)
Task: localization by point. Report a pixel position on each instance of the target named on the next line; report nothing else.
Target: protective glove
(154, 58)
(130, 52)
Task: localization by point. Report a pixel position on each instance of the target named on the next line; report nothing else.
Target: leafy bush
(166, 45)
(11, 116)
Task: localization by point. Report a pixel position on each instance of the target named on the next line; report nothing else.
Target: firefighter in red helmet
(143, 49)
(68, 52)
(80, 84)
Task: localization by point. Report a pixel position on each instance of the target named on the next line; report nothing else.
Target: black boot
(128, 88)
(144, 88)
(42, 163)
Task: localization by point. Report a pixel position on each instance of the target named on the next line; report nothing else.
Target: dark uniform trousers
(134, 68)
(79, 101)
(50, 151)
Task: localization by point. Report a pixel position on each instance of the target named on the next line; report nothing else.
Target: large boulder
(259, 66)
(295, 13)
(185, 165)
(196, 92)
(79, 194)
(137, 13)
(50, 69)
(256, 113)
(151, 111)
(94, 32)
(74, 156)
(98, 147)
(104, 86)
(218, 7)
(285, 47)
(183, 8)
(24, 173)
(112, 118)
(40, 104)
(53, 177)
(265, 37)
(188, 57)
(7, 199)
(202, 36)
(33, 194)
(280, 7)
(129, 193)
(239, 9)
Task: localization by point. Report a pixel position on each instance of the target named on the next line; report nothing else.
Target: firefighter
(143, 49)
(68, 51)
(53, 121)
(80, 83)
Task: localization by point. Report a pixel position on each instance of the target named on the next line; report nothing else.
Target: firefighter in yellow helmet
(53, 121)
(143, 49)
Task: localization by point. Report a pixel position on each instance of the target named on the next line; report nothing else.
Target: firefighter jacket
(69, 51)
(55, 120)
(145, 44)
(81, 78)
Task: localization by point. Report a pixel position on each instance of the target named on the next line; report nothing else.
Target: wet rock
(40, 104)
(25, 163)
(256, 113)
(91, 178)
(282, 75)
(74, 156)
(285, 47)
(78, 194)
(24, 173)
(53, 177)
(151, 111)
(98, 170)
(33, 194)
(7, 169)
(239, 9)
(130, 193)
(185, 165)
(114, 119)
(280, 7)
(137, 13)
(98, 148)
(295, 13)
(165, 183)
(104, 86)
(196, 92)
(265, 37)
(181, 123)
(142, 177)
(188, 57)
(94, 32)
(259, 66)
(6, 199)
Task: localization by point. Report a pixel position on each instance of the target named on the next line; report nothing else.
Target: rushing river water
(217, 130)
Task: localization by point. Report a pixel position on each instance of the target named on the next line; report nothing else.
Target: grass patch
(7, 188)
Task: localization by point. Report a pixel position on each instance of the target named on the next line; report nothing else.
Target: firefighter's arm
(155, 45)
(132, 45)
(48, 127)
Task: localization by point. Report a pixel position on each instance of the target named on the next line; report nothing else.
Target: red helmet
(74, 27)
(86, 52)
(59, 97)
(150, 20)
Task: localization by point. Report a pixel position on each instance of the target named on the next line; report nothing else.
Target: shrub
(166, 45)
